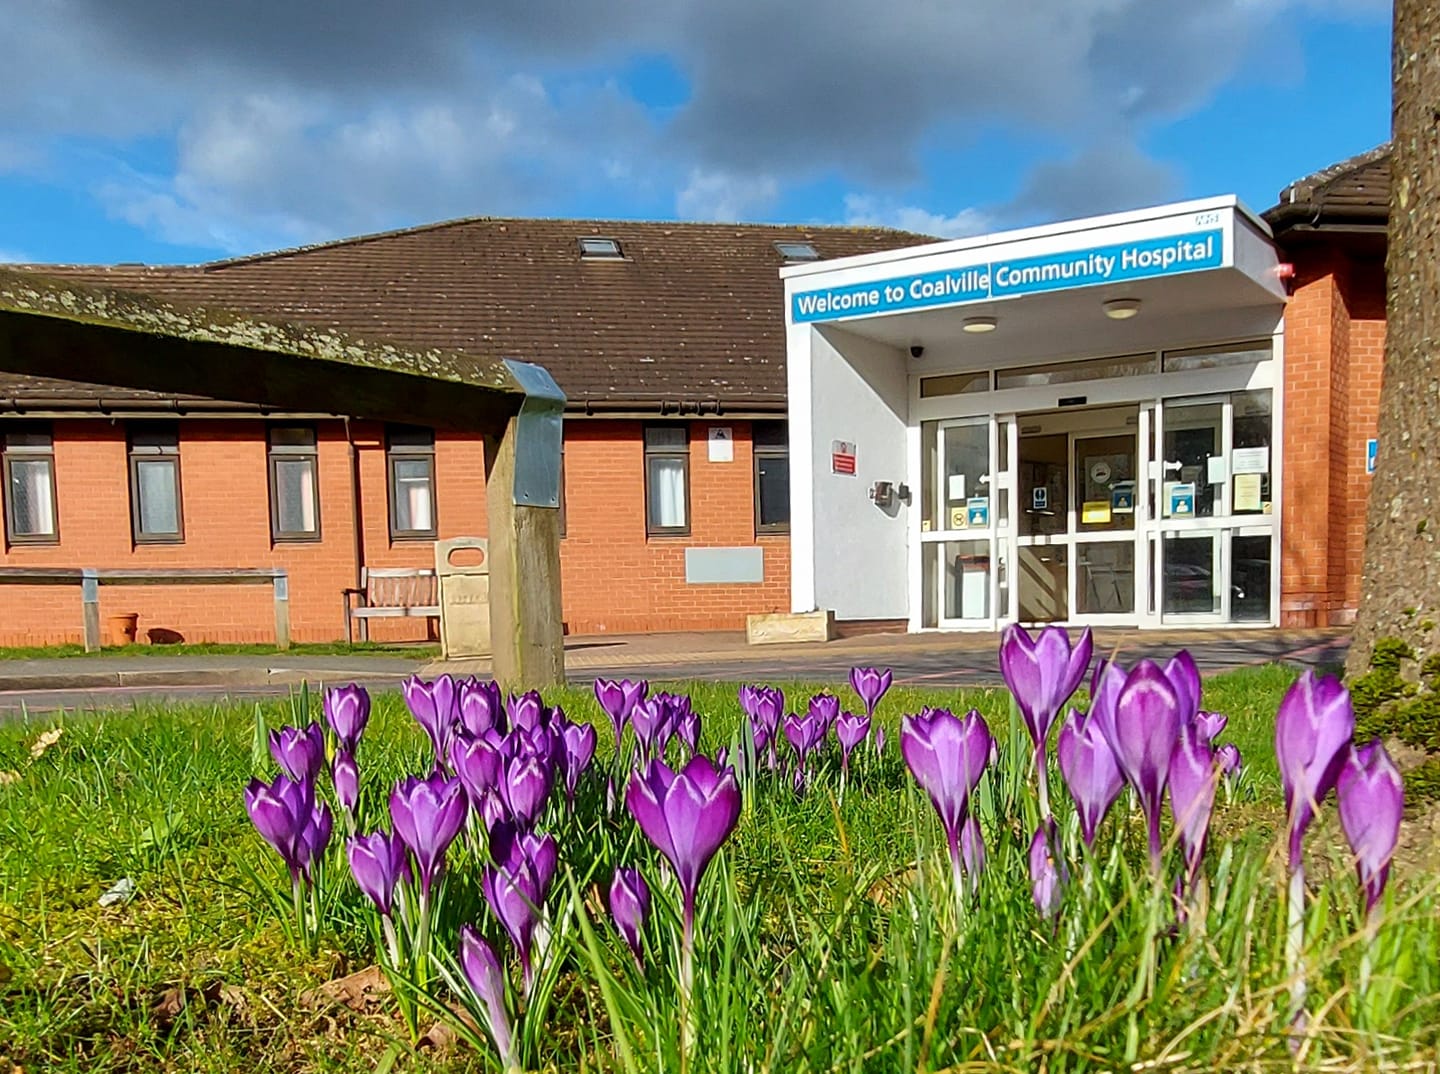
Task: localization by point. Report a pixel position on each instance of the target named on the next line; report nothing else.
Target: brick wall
(614, 578)
(1334, 351)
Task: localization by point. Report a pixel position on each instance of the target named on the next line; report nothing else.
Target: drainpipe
(355, 523)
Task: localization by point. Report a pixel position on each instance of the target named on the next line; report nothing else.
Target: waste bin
(462, 571)
(974, 572)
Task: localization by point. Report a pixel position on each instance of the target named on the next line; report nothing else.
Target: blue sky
(167, 131)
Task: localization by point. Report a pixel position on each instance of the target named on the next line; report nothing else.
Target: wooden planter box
(791, 627)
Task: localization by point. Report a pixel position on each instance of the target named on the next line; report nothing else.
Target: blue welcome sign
(1138, 260)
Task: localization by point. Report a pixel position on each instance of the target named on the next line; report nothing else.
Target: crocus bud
(433, 706)
(378, 861)
(486, 979)
(1090, 770)
(347, 711)
(281, 812)
(630, 907)
(580, 741)
(526, 711)
(476, 763)
(947, 756)
(1372, 799)
(1047, 878)
(480, 707)
(1193, 775)
(346, 776)
(1210, 725)
(1228, 758)
(299, 751)
(1143, 736)
(1312, 730)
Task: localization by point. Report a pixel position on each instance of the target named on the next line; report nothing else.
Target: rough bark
(1400, 595)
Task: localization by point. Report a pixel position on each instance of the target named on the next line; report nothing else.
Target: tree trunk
(1400, 595)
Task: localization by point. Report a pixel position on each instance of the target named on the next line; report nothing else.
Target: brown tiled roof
(1354, 191)
(692, 315)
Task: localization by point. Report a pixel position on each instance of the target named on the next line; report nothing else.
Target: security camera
(916, 350)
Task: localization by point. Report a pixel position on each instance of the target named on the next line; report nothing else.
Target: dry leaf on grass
(44, 742)
(6, 778)
(357, 991)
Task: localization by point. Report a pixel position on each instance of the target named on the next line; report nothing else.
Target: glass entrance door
(1076, 534)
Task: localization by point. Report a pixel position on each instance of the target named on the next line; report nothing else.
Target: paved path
(951, 660)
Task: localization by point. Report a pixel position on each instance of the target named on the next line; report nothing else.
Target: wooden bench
(90, 580)
(388, 593)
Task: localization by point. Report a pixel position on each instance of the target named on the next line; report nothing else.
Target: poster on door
(1181, 496)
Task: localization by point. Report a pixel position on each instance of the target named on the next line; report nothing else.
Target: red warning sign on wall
(842, 457)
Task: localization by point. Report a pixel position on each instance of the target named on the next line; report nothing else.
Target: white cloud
(290, 122)
(727, 197)
(14, 257)
(869, 211)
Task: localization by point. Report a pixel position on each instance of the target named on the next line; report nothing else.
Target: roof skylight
(600, 249)
(797, 251)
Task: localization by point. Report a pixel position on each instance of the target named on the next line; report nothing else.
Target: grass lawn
(417, 650)
(827, 940)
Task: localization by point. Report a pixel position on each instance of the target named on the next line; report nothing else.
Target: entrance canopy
(1080, 331)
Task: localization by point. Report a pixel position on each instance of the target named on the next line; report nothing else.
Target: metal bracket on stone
(538, 431)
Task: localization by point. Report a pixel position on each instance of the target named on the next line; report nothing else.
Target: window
(1218, 357)
(155, 502)
(667, 480)
(772, 476)
(29, 452)
(797, 251)
(410, 460)
(954, 384)
(1036, 376)
(294, 483)
(600, 249)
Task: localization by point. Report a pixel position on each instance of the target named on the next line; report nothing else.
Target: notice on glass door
(1247, 492)
(1250, 460)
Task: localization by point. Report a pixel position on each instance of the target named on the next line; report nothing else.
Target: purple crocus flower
(1227, 757)
(516, 884)
(1372, 799)
(1091, 772)
(346, 775)
(972, 849)
(1312, 729)
(315, 837)
(433, 706)
(651, 720)
(879, 740)
(1193, 776)
(804, 733)
(580, 743)
(1210, 725)
(824, 710)
(850, 730)
(486, 978)
(1184, 678)
(686, 722)
(480, 706)
(687, 815)
(347, 711)
(527, 711)
(764, 705)
(947, 756)
(630, 907)
(1146, 727)
(428, 814)
(1042, 674)
(299, 751)
(1047, 878)
(476, 763)
(870, 685)
(618, 700)
(524, 786)
(281, 811)
(378, 861)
